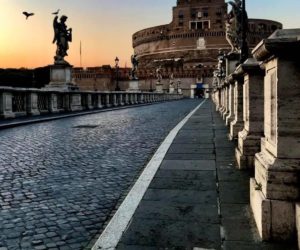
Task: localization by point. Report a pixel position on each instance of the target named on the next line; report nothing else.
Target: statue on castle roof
(159, 74)
(62, 37)
(234, 25)
(135, 64)
(171, 80)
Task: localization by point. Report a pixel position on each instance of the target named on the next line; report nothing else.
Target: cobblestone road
(60, 180)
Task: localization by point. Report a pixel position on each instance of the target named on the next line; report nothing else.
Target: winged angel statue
(62, 37)
(234, 25)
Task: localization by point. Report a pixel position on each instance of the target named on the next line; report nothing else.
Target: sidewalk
(197, 199)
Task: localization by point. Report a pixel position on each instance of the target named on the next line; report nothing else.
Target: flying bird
(56, 13)
(27, 14)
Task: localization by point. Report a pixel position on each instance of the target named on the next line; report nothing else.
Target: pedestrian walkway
(197, 198)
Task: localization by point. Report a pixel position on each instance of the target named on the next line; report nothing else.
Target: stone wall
(266, 128)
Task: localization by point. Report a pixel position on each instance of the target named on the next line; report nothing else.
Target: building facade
(188, 47)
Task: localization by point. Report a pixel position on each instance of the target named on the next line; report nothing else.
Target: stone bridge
(259, 101)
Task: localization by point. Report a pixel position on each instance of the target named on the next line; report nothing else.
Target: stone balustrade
(260, 101)
(16, 102)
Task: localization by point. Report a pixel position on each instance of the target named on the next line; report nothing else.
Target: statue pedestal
(159, 87)
(134, 86)
(61, 78)
(171, 90)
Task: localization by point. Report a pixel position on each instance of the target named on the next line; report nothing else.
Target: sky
(104, 27)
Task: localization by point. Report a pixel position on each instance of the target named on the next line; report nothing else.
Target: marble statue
(234, 25)
(62, 37)
(135, 63)
(158, 74)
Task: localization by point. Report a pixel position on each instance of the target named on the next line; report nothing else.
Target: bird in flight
(56, 13)
(27, 14)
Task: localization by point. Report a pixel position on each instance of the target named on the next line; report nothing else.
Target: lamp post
(244, 45)
(151, 76)
(178, 85)
(117, 74)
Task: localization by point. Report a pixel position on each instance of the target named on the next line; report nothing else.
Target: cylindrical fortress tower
(194, 37)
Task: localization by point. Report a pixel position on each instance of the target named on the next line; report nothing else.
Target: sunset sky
(105, 27)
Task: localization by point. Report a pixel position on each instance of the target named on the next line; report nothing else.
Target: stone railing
(260, 101)
(16, 102)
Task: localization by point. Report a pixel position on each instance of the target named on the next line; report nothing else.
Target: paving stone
(184, 196)
(242, 245)
(234, 192)
(196, 165)
(189, 149)
(206, 213)
(170, 156)
(56, 178)
(132, 247)
(187, 175)
(172, 234)
(182, 184)
(233, 175)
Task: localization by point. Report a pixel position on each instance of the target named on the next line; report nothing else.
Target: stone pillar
(6, 105)
(121, 101)
(114, 96)
(32, 104)
(89, 101)
(275, 188)
(230, 116)
(75, 102)
(99, 101)
(147, 98)
(132, 98)
(253, 93)
(226, 99)
(222, 107)
(298, 222)
(136, 98)
(107, 100)
(53, 103)
(142, 98)
(237, 124)
(217, 99)
(127, 99)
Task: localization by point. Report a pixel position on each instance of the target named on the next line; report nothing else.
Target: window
(200, 25)
(180, 14)
(193, 13)
(206, 24)
(193, 25)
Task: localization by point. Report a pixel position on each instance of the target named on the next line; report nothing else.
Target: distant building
(99, 78)
(189, 45)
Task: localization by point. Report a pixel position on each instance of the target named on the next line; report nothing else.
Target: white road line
(112, 234)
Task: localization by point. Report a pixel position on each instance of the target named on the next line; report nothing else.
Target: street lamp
(117, 74)
(151, 76)
(244, 45)
(178, 85)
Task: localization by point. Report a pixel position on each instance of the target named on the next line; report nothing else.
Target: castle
(188, 47)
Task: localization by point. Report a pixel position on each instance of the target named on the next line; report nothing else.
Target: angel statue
(62, 37)
(171, 80)
(159, 74)
(234, 25)
(135, 64)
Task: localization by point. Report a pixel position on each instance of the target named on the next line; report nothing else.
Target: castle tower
(188, 47)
